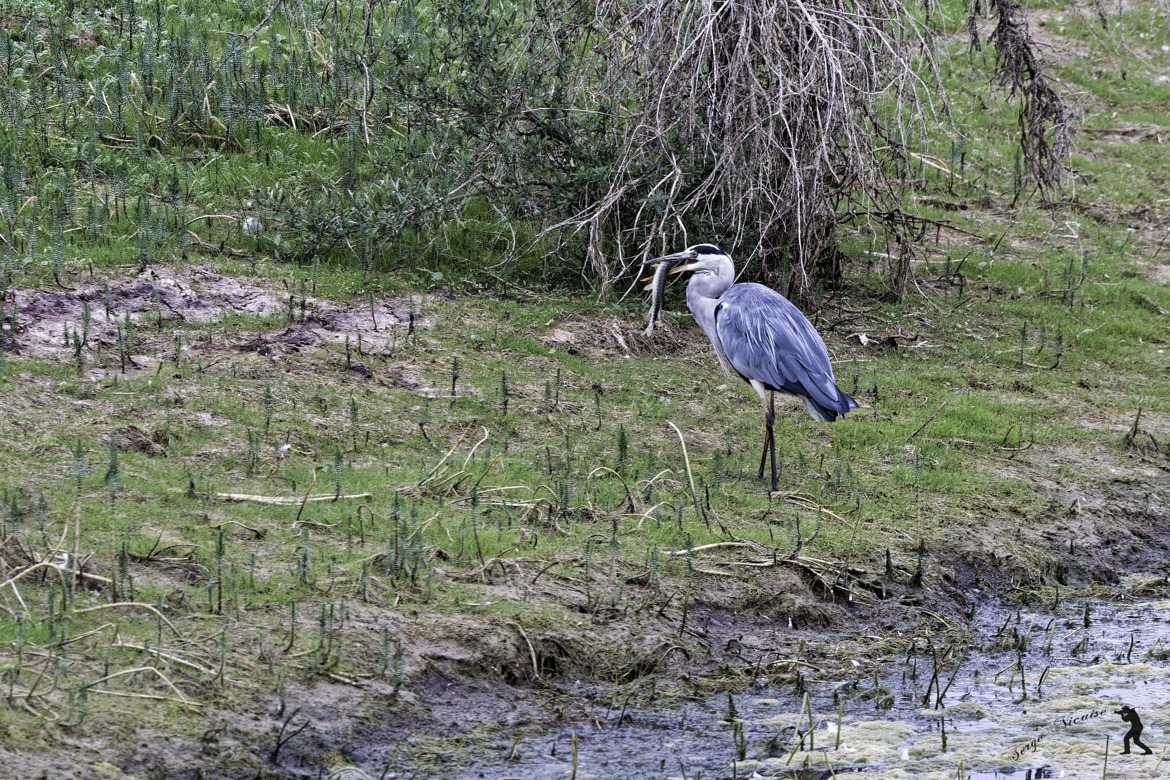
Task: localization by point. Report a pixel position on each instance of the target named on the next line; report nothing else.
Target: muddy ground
(163, 301)
(470, 685)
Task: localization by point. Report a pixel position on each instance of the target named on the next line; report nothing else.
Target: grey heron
(758, 334)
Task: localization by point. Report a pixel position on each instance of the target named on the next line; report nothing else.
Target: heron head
(698, 258)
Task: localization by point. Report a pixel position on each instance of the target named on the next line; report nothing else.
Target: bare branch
(747, 124)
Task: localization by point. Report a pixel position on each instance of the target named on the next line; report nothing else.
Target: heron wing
(764, 337)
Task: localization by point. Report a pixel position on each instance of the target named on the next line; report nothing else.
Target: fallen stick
(713, 546)
(289, 500)
(259, 533)
(86, 635)
(131, 605)
(29, 570)
(166, 656)
(157, 673)
(151, 696)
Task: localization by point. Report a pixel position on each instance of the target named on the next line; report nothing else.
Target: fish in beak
(667, 264)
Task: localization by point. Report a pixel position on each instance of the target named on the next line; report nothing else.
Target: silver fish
(657, 288)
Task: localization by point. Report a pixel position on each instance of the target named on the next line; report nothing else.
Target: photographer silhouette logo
(1130, 716)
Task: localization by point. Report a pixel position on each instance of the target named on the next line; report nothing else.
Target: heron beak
(680, 269)
(671, 260)
(674, 260)
(668, 260)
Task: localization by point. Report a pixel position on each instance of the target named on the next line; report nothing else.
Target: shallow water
(989, 727)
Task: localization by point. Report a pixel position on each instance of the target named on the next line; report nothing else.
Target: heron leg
(767, 441)
(770, 419)
(768, 398)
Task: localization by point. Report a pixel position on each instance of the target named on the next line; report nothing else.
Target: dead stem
(531, 649)
(631, 506)
(308, 491)
(471, 454)
(442, 460)
(28, 570)
(165, 656)
(130, 605)
(181, 698)
(86, 635)
(690, 476)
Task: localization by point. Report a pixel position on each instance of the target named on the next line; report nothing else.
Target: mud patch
(159, 298)
(1021, 692)
(1105, 516)
(376, 330)
(1129, 132)
(158, 305)
(132, 438)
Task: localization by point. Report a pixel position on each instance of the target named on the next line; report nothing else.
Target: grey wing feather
(764, 337)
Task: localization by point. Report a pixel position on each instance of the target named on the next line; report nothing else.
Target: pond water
(1056, 721)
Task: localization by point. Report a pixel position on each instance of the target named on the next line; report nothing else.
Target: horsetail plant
(304, 561)
(252, 454)
(80, 467)
(78, 356)
(353, 420)
(454, 377)
(113, 475)
(268, 405)
(1023, 341)
(336, 471)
